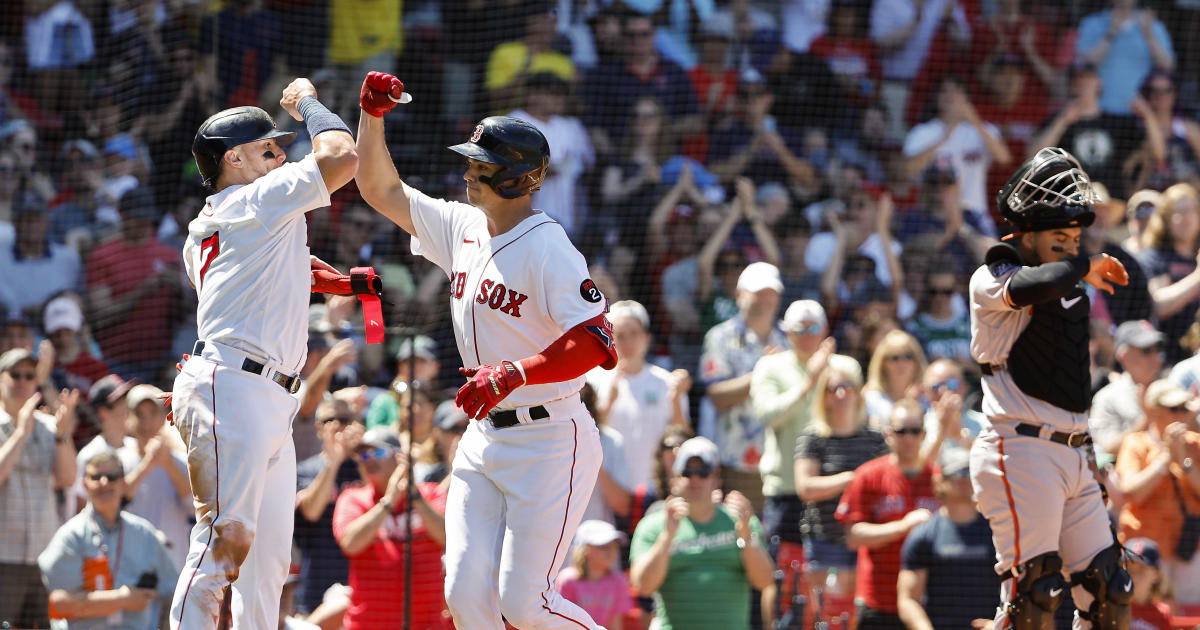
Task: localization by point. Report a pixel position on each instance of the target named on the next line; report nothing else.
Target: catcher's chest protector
(1049, 360)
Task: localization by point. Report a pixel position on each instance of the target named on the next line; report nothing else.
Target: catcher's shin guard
(1108, 582)
(1039, 590)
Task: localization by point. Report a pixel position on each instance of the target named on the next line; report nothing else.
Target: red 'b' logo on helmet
(478, 132)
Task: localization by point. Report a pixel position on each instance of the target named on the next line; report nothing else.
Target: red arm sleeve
(582, 348)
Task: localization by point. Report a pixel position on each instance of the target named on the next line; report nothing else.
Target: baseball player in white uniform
(247, 257)
(529, 324)
(1030, 470)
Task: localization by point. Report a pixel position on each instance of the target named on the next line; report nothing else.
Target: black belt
(290, 383)
(505, 419)
(1074, 440)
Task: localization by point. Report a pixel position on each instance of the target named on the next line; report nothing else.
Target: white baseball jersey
(995, 326)
(247, 255)
(511, 295)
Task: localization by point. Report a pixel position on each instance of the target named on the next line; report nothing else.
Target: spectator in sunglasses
(319, 481)
(1142, 205)
(1116, 410)
(697, 540)
(40, 458)
(370, 526)
(893, 373)
(950, 424)
(888, 497)
(1160, 482)
(942, 323)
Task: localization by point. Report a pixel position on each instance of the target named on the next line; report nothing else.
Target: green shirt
(383, 412)
(775, 392)
(706, 585)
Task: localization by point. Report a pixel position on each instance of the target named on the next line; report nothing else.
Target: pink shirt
(603, 599)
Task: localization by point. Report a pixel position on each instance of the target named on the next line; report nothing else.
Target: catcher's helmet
(227, 129)
(517, 146)
(1050, 190)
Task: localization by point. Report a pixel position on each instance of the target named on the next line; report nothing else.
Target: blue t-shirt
(322, 562)
(962, 583)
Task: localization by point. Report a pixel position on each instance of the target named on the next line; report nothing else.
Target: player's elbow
(338, 163)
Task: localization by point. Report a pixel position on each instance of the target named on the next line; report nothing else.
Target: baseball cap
(1164, 393)
(83, 146)
(62, 312)
(139, 394)
(1144, 550)
(1139, 334)
(379, 437)
(701, 447)
(718, 26)
(448, 415)
(758, 276)
(109, 390)
(630, 308)
(10, 359)
(121, 144)
(595, 532)
(28, 202)
(954, 462)
(1143, 203)
(425, 348)
(138, 203)
(803, 312)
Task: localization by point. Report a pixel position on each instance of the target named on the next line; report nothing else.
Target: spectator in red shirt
(369, 525)
(888, 496)
(713, 81)
(849, 53)
(133, 287)
(74, 366)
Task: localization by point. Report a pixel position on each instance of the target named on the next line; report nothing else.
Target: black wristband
(318, 118)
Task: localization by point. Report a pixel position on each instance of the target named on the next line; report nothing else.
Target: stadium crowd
(783, 201)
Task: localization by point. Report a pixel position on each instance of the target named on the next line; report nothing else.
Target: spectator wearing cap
(571, 152)
(1116, 408)
(122, 165)
(157, 487)
(946, 576)
(748, 140)
(449, 424)
(951, 426)
(1124, 44)
(74, 365)
(959, 136)
(941, 222)
(416, 362)
(594, 580)
(512, 63)
(781, 393)
(714, 81)
(20, 138)
(320, 479)
(864, 231)
(37, 456)
(33, 267)
(1172, 244)
(81, 204)
(1148, 608)
(697, 540)
(886, 499)
(611, 89)
(1161, 483)
(1101, 140)
(106, 568)
(851, 55)
(369, 525)
(133, 284)
(1141, 205)
(638, 399)
(106, 400)
(731, 349)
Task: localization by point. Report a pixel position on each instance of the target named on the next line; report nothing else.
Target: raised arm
(333, 146)
(378, 182)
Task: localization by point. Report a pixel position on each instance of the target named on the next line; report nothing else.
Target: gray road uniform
(1030, 470)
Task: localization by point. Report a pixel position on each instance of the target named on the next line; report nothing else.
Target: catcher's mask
(1049, 191)
(516, 146)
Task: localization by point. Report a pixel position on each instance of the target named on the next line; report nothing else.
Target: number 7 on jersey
(213, 245)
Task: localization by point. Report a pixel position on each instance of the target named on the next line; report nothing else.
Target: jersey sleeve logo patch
(589, 292)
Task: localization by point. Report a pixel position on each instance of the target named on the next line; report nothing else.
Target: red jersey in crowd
(882, 493)
(144, 333)
(377, 573)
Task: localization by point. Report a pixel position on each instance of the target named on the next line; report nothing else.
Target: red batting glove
(486, 386)
(378, 91)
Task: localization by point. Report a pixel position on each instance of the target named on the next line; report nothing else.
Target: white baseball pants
(242, 465)
(516, 497)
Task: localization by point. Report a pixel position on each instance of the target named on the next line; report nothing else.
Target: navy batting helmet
(227, 129)
(517, 146)
(1049, 191)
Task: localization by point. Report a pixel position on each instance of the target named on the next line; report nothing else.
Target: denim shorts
(823, 554)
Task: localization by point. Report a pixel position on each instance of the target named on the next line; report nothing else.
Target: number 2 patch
(589, 291)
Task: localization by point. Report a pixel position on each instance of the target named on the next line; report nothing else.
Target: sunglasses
(837, 388)
(1177, 409)
(23, 376)
(907, 356)
(698, 471)
(640, 33)
(337, 419)
(909, 430)
(940, 291)
(810, 329)
(950, 383)
(112, 476)
(1161, 89)
(1144, 211)
(372, 454)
